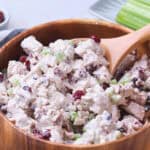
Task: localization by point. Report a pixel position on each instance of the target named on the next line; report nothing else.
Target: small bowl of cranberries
(4, 18)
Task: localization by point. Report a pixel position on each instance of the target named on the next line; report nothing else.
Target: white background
(27, 13)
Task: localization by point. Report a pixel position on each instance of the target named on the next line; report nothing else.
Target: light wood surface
(12, 138)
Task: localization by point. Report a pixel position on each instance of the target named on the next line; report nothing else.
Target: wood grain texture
(12, 138)
(124, 45)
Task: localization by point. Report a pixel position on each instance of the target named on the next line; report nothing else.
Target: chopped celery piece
(109, 91)
(60, 57)
(45, 51)
(15, 80)
(114, 81)
(76, 136)
(125, 79)
(10, 91)
(71, 42)
(73, 115)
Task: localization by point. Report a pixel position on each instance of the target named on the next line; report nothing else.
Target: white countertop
(27, 13)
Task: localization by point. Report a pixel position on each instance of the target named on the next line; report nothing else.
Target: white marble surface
(27, 13)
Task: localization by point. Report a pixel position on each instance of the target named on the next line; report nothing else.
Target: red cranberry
(78, 94)
(27, 88)
(27, 63)
(23, 58)
(95, 38)
(46, 135)
(1, 77)
(2, 18)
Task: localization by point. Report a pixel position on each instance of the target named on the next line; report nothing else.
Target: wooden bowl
(12, 138)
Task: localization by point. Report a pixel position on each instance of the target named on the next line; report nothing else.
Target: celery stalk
(137, 11)
(129, 20)
(135, 14)
(143, 2)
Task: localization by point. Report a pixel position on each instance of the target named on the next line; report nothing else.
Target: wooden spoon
(118, 48)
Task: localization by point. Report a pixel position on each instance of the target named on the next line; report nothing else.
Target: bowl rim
(67, 21)
(6, 17)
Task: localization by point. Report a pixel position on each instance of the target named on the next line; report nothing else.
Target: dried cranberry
(95, 38)
(1, 77)
(23, 58)
(105, 85)
(2, 18)
(78, 94)
(27, 88)
(46, 135)
(27, 63)
(142, 75)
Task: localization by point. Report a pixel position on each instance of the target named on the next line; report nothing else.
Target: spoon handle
(118, 48)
